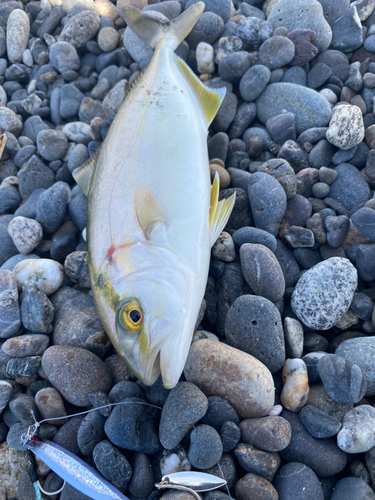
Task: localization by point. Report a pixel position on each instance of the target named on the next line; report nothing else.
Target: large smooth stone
(309, 107)
(304, 14)
(220, 370)
(324, 293)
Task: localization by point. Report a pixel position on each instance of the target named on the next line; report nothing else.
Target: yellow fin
(219, 211)
(210, 100)
(83, 175)
(149, 210)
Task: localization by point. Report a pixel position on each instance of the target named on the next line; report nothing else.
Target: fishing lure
(85, 479)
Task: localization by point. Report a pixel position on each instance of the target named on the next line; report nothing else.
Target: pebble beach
(278, 392)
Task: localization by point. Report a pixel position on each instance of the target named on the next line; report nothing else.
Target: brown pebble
(51, 405)
(221, 370)
(253, 487)
(224, 177)
(271, 433)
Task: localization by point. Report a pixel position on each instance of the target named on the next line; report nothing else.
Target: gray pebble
(178, 417)
(296, 480)
(37, 311)
(205, 448)
(79, 29)
(282, 127)
(25, 233)
(112, 464)
(51, 206)
(9, 199)
(90, 432)
(276, 52)
(352, 488)
(10, 320)
(52, 144)
(349, 188)
(337, 229)
(254, 31)
(260, 462)
(347, 31)
(64, 57)
(319, 424)
(34, 175)
(26, 345)
(23, 367)
(208, 29)
(253, 82)
(254, 235)
(246, 319)
(360, 351)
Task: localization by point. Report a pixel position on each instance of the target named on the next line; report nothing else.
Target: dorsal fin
(83, 175)
(219, 210)
(210, 100)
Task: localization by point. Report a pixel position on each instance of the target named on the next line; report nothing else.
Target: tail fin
(153, 31)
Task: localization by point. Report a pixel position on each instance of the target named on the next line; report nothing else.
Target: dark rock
(132, 426)
(296, 480)
(254, 235)
(218, 412)
(90, 432)
(317, 423)
(230, 435)
(205, 448)
(288, 264)
(37, 311)
(34, 175)
(267, 433)
(142, 480)
(51, 207)
(112, 464)
(260, 462)
(253, 82)
(352, 488)
(276, 52)
(254, 487)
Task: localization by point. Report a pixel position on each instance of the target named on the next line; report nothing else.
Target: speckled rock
(12, 464)
(51, 405)
(80, 29)
(309, 108)
(257, 461)
(26, 345)
(254, 487)
(47, 274)
(357, 434)
(346, 128)
(75, 373)
(361, 352)
(112, 464)
(205, 448)
(349, 188)
(221, 370)
(18, 29)
(305, 14)
(10, 319)
(324, 293)
(37, 311)
(25, 233)
(296, 384)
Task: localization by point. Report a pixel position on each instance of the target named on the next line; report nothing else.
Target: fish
(153, 215)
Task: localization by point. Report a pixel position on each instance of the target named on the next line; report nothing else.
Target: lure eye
(131, 316)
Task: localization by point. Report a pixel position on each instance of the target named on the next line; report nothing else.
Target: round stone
(112, 465)
(18, 29)
(108, 39)
(276, 52)
(254, 487)
(223, 248)
(352, 488)
(75, 373)
(52, 144)
(254, 81)
(319, 424)
(64, 57)
(260, 462)
(246, 322)
(51, 405)
(324, 293)
(221, 370)
(26, 345)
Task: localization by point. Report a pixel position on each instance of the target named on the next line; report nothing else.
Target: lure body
(74, 470)
(197, 481)
(151, 221)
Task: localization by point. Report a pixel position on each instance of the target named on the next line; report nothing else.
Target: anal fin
(83, 175)
(219, 210)
(210, 100)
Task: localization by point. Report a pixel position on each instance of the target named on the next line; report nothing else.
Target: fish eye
(131, 315)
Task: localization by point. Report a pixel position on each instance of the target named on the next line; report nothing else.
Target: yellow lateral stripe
(210, 100)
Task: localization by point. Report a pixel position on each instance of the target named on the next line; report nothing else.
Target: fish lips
(144, 358)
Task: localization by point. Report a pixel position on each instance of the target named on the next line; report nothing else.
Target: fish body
(74, 470)
(152, 216)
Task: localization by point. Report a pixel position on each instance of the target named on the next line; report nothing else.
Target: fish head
(154, 313)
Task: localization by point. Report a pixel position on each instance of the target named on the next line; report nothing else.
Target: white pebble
(18, 29)
(296, 384)
(223, 248)
(357, 434)
(3, 97)
(47, 274)
(346, 128)
(329, 95)
(27, 58)
(205, 58)
(276, 410)
(174, 461)
(10, 181)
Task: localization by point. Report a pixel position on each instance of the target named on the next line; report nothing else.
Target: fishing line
(226, 483)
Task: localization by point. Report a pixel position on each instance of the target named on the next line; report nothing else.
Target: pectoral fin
(210, 100)
(219, 211)
(150, 212)
(83, 175)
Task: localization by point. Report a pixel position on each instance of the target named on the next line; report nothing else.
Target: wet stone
(317, 423)
(308, 299)
(260, 462)
(178, 417)
(75, 373)
(205, 448)
(247, 320)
